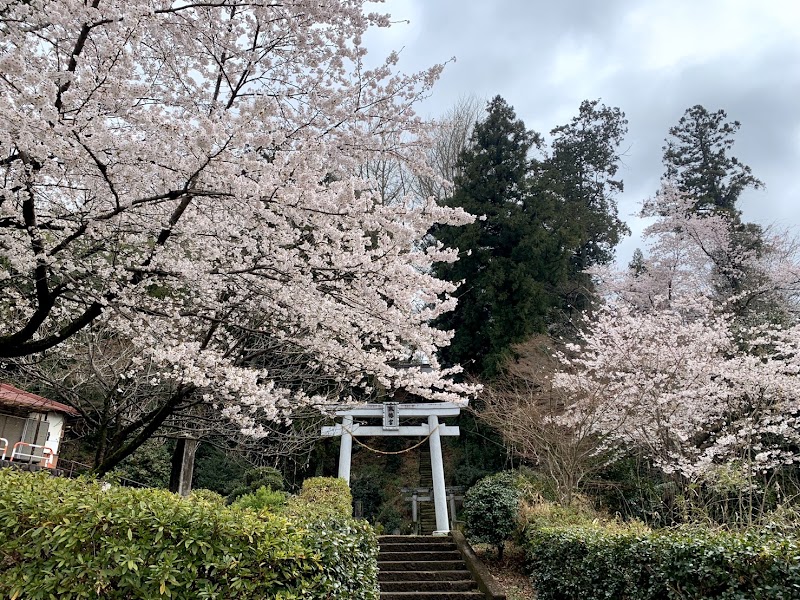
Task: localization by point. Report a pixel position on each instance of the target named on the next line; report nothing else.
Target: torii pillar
(391, 414)
(346, 448)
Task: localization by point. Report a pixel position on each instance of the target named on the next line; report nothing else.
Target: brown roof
(17, 397)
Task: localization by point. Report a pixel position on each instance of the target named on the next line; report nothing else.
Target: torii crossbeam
(392, 413)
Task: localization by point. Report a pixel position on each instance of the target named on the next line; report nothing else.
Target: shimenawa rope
(375, 450)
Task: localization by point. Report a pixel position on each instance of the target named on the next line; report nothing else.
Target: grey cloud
(510, 47)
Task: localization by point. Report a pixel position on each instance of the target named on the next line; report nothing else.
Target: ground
(509, 572)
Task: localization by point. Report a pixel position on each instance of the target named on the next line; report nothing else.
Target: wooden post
(180, 480)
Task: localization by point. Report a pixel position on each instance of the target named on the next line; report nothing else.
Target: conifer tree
(510, 263)
(582, 171)
(696, 157)
(698, 162)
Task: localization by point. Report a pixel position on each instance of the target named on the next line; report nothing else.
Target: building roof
(13, 396)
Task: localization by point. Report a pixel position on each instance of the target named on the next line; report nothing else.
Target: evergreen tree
(510, 262)
(697, 162)
(581, 170)
(637, 265)
(697, 159)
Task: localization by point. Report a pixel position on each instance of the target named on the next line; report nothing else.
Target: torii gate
(391, 413)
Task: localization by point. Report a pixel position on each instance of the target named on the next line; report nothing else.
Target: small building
(31, 426)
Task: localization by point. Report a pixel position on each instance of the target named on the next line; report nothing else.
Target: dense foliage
(545, 215)
(323, 496)
(256, 478)
(580, 172)
(262, 498)
(74, 539)
(594, 561)
(504, 294)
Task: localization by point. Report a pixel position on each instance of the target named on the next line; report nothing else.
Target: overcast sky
(651, 58)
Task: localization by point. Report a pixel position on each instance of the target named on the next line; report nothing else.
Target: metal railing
(47, 453)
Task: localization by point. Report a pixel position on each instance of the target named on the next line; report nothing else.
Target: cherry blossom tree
(687, 381)
(549, 427)
(189, 175)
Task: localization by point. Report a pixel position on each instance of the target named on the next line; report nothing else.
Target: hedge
(64, 539)
(629, 563)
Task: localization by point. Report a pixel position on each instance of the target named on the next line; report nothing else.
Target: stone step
(467, 585)
(418, 547)
(425, 565)
(423, 568)
(441, 540)
(457, 575)
(432, 596)
(419, 556)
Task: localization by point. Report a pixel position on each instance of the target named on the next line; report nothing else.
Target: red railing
(47, 453)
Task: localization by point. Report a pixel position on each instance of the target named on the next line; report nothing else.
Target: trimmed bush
(262, 499)
(70, 539)
(490, 510)
(323, 497)
(614, 561)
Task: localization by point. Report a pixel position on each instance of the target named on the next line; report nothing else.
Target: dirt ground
(509, 573)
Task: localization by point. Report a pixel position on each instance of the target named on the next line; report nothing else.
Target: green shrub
(389, 518)
(263, 498)
(217, 470)
(256, 478)
(201, 495)
(490, 510)
(628, 562)
(544, 514)
(322, 497)
(70, 539)
(150, 465)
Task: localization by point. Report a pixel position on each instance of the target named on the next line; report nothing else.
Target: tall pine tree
(510, 261)
(697, 159)
(581, 171)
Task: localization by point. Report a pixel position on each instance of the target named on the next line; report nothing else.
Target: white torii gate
(391, 413)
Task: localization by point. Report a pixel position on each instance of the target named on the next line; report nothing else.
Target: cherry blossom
(693, 377)
(190, 175)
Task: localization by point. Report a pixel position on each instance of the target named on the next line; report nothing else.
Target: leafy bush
(490, 510)
(217, 470)
(202, 495)
(389, 519)
(263, 498)
(150, 465)
(74, 539)
(256, 478)
(466, 475)
(544, 514)
(322, 497)
(629, 562)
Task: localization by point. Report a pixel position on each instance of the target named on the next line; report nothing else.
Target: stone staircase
(423, 567)
(427, 511)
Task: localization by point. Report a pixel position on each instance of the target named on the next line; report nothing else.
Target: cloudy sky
(651, 58)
